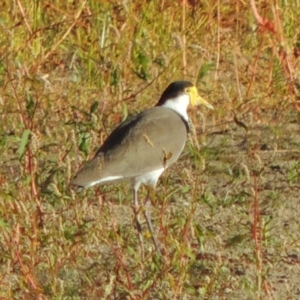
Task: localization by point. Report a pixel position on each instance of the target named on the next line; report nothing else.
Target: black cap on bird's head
(173, 90)
(178, 88)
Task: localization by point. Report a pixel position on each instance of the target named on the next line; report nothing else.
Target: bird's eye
(187, 90)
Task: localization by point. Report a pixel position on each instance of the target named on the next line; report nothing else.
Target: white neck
(179, 104)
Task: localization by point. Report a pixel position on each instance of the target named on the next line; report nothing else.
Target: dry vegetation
(227, 214)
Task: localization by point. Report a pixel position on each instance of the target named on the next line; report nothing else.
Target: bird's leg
(150, 226)
(137, 220)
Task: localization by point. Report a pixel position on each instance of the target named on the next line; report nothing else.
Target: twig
(218, 42)
(183, 38)
(24, 16)
(77, 15)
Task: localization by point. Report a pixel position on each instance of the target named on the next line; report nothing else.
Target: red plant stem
(256, 229)
(30, 167)
(254, 70)
(275, 29)
(255, 214)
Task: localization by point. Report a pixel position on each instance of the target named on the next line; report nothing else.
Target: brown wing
(154, 139)
(151, 140)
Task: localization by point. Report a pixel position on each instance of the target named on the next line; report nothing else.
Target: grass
(226, 213)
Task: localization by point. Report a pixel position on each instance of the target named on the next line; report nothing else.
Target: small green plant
(294, 173)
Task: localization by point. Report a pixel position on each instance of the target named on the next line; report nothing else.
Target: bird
(143, 146)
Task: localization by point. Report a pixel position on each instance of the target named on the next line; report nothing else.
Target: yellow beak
(201, 101)
(197, 100)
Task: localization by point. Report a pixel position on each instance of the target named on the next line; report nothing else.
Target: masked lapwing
(143, 146)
